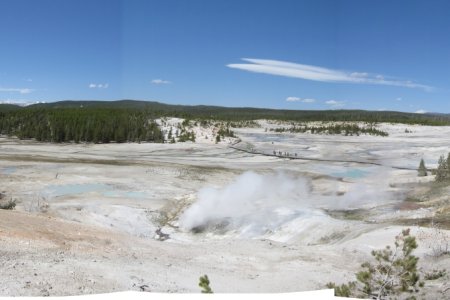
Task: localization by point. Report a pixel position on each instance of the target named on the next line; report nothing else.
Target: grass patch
(352, 214)
(435, 274)
(441, 221)
(333, 237)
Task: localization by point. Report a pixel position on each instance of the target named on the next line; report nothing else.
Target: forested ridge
(157, 109)
(133, 121)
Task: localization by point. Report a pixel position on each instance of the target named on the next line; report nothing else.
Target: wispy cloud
(160, 81)
(16, 90)
(303, 100)
(308, 72)
(98, 85)
(421, 111)
(20, 102)
(335, 104)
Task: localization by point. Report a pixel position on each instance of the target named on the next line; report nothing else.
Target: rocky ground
(87, 216)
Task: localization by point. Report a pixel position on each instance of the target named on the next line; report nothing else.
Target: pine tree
(442, 171)
(448, 165)
(204, 284)
(393, 273)
(422, 171)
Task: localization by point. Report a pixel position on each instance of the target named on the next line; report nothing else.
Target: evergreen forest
(134, 121)
(82, 124)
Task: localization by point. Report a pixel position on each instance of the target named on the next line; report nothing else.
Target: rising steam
(255, 204)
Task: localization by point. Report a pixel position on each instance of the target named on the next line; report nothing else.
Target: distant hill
(157, 109)
(9, 107)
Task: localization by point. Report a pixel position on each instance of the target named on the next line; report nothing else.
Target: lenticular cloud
(308, 72)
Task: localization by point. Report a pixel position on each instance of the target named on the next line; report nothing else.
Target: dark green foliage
(345, 129)
(127, 120)
(435, 274)
(443, 169)
(81, 124)
(240, 114)
(422, 171)
(395, 270)
(243, 124)
(223, 132)
(9, 205)
(9, 107)
(393, 273)
(186, 136)
(448, 162)
(204, 284)
(186, 123)
(344, 290)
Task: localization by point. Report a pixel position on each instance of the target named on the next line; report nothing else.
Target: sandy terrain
(86, 215)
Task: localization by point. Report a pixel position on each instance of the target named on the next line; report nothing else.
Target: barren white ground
(86, 215)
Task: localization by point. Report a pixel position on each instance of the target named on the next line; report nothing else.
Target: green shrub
(9, 205)
(394, 272)
(435, 274)
(204, 284)
(422, 171)
(443, 169)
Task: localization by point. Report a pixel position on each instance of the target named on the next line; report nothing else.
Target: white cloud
(399, 99)
(308, 72)
(160, 81)
(421, 111)
(16, 90)
(20, 102)
(297, 99)
(335, 104)
(358, 74)
(98, 85)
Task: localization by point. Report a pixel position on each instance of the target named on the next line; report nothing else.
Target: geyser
(256, 204)
(252, 202)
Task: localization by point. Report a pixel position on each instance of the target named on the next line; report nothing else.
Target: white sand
(87, 214)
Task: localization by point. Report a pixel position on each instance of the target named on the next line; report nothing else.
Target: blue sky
(321, 54)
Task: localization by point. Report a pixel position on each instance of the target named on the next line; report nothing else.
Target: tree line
(158, 110)
(133, 121)
(344, 129)
(97, 125)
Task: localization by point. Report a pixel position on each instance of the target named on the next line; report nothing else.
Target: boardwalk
(295, 156)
